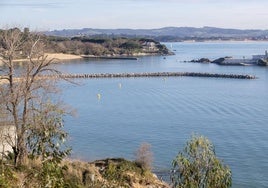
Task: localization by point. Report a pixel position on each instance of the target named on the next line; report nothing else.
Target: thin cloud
(31, 4)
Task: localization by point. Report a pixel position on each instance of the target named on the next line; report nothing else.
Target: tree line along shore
(64, 48)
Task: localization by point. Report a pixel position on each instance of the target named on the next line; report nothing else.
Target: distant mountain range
(168, 33)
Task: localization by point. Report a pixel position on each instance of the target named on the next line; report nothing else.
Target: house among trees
(149, 46)
(7, 138)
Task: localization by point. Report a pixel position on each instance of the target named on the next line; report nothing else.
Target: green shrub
(197, 166)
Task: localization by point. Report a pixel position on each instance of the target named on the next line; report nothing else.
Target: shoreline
(109, 57)
(218, 41)
(61, 57)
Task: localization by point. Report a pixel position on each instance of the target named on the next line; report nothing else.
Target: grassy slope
(98, 174)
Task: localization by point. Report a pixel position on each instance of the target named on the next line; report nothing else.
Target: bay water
(116, 115)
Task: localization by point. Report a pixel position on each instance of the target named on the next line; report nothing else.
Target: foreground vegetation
(78, 174)
(196, 166)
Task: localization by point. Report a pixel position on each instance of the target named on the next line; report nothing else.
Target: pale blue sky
(60, 14)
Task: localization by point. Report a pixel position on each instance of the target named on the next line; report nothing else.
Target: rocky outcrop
(218, 61)
(115, 172)
(201, 60)
(241, 62)
(262, 62)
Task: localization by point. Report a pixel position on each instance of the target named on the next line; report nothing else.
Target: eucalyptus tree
(25, 92)
(197, 166)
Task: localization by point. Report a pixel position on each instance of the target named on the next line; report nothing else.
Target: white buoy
(99, 96)
(120, 85)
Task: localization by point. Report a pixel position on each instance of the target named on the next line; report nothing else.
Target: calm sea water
(165, 112)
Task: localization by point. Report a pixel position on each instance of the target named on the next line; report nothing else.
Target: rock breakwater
(158, 74)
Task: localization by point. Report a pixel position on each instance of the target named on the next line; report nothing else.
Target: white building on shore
(257, 57)
(253, 61)
(7, 138)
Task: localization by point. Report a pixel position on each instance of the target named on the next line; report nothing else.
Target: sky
(134, 14)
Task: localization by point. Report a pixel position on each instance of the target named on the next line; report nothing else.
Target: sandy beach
(62, 57)
(59, 57)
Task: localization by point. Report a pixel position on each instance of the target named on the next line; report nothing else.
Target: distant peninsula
(76, 47)
(169, 34)
(116, 47)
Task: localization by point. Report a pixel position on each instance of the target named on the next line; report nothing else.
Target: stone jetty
(109, 57)
(157, 74)
(147, 74)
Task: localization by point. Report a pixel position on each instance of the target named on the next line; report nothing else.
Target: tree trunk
(21, 151)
